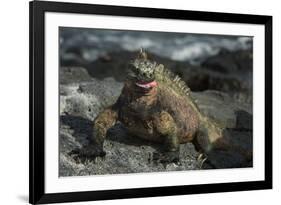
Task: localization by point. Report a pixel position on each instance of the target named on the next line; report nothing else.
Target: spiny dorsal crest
(171, 80)
(142, 54)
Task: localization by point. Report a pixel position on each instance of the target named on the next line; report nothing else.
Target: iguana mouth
(146, 85)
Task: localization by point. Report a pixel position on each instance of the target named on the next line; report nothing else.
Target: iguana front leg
(103, 122)
(165, 126)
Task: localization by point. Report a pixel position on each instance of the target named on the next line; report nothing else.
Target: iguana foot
(201, 159)
(166, 157)
(87, 153)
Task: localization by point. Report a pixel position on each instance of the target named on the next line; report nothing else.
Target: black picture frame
(37, 11)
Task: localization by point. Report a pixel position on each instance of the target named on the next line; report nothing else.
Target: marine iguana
(155, 105)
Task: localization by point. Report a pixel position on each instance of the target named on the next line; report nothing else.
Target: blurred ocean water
(193, 48)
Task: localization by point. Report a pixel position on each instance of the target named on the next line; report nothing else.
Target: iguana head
(142, 72)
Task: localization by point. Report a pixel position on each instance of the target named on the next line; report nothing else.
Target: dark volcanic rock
(86, 99)
(234, 148)
(237, 69)
(222, 108)
(73, 75)
(230, 62)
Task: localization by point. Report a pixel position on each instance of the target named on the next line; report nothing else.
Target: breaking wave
(193, 48)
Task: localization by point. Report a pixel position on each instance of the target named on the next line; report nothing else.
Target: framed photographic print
(140, 102)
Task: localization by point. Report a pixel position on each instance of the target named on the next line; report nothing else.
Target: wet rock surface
(87, 88)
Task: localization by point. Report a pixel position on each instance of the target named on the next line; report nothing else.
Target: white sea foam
(181, 47)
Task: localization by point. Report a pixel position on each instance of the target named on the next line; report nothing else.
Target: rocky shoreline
(223, 91)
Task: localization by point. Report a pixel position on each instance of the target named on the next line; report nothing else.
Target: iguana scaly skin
(154, 105)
